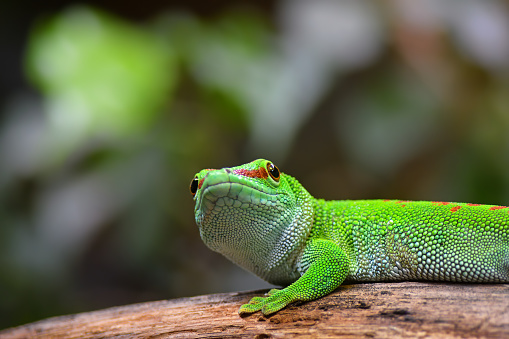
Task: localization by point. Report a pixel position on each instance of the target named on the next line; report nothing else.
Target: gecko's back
(418, 240)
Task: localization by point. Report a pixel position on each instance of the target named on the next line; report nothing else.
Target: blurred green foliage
(356, 99)
(100, 76)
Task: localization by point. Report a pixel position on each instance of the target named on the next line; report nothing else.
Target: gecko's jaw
(229, 197)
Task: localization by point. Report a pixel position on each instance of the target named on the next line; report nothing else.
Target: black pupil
(274, 171)
(194, 186)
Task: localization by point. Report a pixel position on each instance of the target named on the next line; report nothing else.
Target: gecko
(266, 222)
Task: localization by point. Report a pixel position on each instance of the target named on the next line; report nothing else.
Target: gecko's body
(267, 223)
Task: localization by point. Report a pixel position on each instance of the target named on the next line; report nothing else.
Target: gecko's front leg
(328, 266)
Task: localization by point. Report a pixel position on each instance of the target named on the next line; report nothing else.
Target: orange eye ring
(273, 171)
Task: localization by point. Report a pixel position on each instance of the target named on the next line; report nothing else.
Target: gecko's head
(249, 213)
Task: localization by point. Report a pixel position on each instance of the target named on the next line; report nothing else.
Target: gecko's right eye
(194, 186)
(273, 171)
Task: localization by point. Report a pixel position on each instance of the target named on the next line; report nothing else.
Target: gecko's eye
(194, 186)
(273, 171)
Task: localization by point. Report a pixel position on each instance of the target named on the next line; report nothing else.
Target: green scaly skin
(267, 223)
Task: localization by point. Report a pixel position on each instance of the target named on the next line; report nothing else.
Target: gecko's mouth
(231, 194)
(222, 191)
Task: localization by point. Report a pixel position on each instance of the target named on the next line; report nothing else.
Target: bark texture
(378, 310)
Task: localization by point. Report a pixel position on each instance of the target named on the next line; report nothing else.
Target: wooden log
(377, 310)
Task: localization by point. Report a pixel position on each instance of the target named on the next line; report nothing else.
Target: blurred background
(109, 108)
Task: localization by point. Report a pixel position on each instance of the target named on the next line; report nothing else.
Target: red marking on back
(200, 183)
(259, 173)
(401, 202)
(455, 208)
(497, 207)
(440, 203)
(474, 205)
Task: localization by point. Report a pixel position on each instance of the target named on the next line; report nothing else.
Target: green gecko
(266, 222)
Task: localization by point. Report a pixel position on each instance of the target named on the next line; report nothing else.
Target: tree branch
(381, 310)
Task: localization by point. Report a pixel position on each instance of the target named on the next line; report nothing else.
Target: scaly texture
(267, 223)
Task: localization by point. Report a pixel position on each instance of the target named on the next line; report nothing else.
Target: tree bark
(377, 310)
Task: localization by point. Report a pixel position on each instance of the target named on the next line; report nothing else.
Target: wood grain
(377, 310)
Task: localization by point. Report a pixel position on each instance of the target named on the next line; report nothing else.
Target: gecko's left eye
(194, 186)
(273, 171)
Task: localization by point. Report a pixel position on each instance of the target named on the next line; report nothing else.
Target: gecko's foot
(274, 301)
